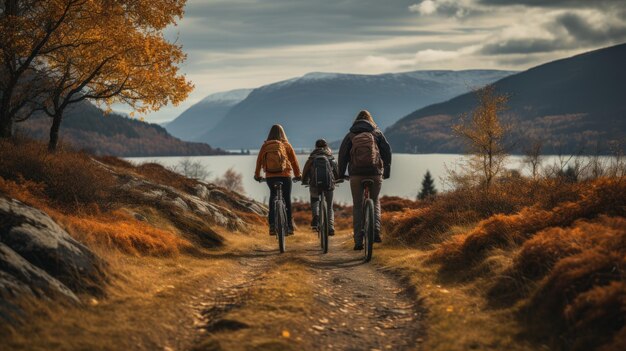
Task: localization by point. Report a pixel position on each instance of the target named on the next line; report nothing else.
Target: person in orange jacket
(278, 160)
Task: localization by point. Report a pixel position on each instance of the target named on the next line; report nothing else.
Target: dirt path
(303, 300)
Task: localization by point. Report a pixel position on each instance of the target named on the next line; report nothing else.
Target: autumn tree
(108, 52)
(484, 133)
(428, 187)
(29, 30)
(231, 180)
(118, 55)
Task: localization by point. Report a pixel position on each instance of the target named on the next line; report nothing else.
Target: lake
(407, 171)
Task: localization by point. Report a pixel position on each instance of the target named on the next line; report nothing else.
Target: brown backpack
(275, 157)
(364, 153)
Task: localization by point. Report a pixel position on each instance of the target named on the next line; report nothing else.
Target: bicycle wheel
(281, 228)
(368, 227)
(323, 225)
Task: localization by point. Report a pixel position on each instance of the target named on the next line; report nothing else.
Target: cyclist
(278, 161)
(367, 155)
(320, 172)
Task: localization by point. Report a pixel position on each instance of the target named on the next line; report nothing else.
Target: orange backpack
(275, 157)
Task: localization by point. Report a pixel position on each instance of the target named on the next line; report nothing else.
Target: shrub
(604, 196)
(70, 179)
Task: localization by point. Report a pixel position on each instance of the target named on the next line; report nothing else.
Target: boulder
(36, 238)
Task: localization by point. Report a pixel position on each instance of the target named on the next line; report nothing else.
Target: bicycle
(323, 225)
(369, 219)
(280, 215)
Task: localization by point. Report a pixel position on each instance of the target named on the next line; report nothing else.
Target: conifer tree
(428, 187)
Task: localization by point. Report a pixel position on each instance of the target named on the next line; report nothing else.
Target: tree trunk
(6, 127)
(54, 132)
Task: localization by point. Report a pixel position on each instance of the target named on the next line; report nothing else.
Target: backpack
(321, 173)
(364, 152)
(275, 157)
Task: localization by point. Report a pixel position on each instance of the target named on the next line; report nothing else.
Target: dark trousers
(315, 202)
(286, 181)
(357, 200)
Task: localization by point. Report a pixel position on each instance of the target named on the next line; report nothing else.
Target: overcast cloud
(247, 43)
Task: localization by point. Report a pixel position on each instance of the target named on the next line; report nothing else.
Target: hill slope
(205, 114)
(324, 104)
(86, 127)
(569, 104)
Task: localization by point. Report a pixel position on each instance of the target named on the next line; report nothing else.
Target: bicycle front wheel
(323, 225)
(281, 226)
(369, 223)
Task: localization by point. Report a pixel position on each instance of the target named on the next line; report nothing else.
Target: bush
(603, 196)
(70, 179)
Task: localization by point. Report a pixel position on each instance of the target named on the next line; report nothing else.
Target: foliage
(99, 50)
(428, 187)
(231, 180)
(484, 134)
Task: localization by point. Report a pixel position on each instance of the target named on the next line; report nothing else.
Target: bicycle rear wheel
(368, 227)
(281, 225)
(323, 225)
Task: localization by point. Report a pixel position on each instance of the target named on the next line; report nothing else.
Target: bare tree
(533, 157)
(191, 169)
(484, 134)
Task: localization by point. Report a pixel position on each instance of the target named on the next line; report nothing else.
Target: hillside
(324, 104)
(205, 114)
(86, 127)
(570, 104)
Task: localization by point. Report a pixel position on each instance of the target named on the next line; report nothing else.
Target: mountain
(85, 126)
(323, 105)
(204, 115)
(570, 104)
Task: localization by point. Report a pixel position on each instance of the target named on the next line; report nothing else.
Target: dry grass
(84, 197)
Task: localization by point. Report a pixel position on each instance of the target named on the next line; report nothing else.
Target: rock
(28, 278)
(36, 238)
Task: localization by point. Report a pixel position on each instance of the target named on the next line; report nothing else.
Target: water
(407, 172)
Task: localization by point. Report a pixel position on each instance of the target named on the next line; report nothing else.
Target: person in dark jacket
(377, 171)
(321, 149)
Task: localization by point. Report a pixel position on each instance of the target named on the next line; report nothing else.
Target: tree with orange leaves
(484, 133)
(108, 51)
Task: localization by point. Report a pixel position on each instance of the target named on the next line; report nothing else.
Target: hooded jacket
(363, 126)
(320, 151)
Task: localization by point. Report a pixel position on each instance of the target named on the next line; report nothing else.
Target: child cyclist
(320, 172)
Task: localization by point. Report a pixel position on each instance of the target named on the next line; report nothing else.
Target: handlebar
(264, 180)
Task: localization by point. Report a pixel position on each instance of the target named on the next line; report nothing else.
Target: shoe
(378, 239)
(358, 247)
(331, 232)
(289, 231)
(314, 222)
(272, 231)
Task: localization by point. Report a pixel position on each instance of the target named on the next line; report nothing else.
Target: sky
(235, 44)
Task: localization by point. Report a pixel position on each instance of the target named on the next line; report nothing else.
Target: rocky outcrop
(40, 259)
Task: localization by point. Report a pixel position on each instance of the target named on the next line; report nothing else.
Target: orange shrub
(121, 231)
(596, 317)
(604, 196)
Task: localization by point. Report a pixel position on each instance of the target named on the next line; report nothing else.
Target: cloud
(558, 31)
(426, 7)
(421, 57)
